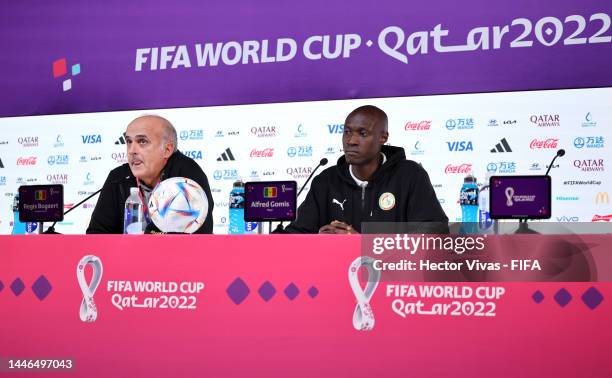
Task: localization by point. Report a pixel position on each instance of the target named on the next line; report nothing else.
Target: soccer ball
(178, 204)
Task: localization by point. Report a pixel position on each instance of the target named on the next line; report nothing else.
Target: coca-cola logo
(417, 126)
(299, 172)
(263, 131)
(544, 143)
(26, 161)
(462, 168)
(119, 157)
(28, 141)
(265, 153)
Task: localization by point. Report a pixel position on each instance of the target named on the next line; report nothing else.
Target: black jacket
(407, 190)
(107, 217)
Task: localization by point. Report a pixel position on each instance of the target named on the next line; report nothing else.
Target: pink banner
(280, 306)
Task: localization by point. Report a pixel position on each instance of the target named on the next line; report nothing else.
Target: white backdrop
(447, 134)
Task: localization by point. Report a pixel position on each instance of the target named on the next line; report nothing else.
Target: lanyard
(142, 201)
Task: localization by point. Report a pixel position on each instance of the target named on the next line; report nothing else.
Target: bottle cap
(469, 179)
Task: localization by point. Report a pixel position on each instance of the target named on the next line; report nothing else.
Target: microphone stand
(51, 230)
(322, 162)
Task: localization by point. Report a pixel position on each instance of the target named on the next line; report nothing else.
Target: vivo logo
(567, 219)
(91, 139)
(460, 146)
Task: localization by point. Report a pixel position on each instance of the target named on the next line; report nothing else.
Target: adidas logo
(502, 146)
(226, 156)
(1, 165)
(121, 139)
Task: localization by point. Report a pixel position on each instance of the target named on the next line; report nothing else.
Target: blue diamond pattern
(291, 291)
(41, 288)
(238, 291)
(1, 286)
(17, 286)
(266, 291)
(313, 292)
(592, 298)
(538, 297)
(563, 297)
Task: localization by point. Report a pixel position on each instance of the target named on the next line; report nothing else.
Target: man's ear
(383, 137)
(168, 150)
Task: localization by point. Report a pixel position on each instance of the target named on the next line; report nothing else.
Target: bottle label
(468, 196)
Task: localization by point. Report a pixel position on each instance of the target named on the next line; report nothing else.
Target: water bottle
(133, 216)
(468, 199)
(236, 209)
(484, 216)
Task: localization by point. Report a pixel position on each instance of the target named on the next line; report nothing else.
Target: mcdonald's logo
(602, 197)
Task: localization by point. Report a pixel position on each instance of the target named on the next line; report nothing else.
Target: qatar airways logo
(119, 157)
(545, 120)
(299, 172)
(28, 141)
(458, 169)
(590, 165)
(543, 144)
(264, 131)
(26, 161)
(417, 126)
(265, 153)
(58, 178)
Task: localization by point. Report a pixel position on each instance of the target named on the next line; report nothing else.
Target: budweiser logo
(545, 143)
(463, 168)
(601, 218)
(422, 125)
(266, 152)
(27, 161)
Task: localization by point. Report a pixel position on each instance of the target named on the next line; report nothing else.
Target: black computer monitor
(520, 197)
(41, 203)
(273, 201)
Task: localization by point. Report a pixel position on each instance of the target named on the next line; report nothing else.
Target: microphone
(560, 153)
(51, 230)
(322, 162)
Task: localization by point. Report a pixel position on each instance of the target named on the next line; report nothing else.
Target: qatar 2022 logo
(88, 311)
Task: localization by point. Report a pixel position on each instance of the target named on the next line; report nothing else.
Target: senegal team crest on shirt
(386, 201)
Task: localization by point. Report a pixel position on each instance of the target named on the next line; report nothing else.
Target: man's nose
(131, 148)
(353, 139)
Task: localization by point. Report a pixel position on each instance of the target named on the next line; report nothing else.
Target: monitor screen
(41, 203)
(270, 201)
(514, 197)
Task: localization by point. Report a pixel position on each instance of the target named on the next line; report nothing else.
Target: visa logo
(90, 139)
(460, 146)
(336, 129)
(195, 155)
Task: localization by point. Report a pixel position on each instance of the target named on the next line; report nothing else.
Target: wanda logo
(545, 143)
(417, 126)
(463, 168)
(27, 161)
(266, 152)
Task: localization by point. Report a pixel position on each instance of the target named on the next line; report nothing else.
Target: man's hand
(337, 227)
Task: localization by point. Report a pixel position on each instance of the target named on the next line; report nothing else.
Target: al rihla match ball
(178, 204)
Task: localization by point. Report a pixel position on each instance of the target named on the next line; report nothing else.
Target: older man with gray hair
(152, 157)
